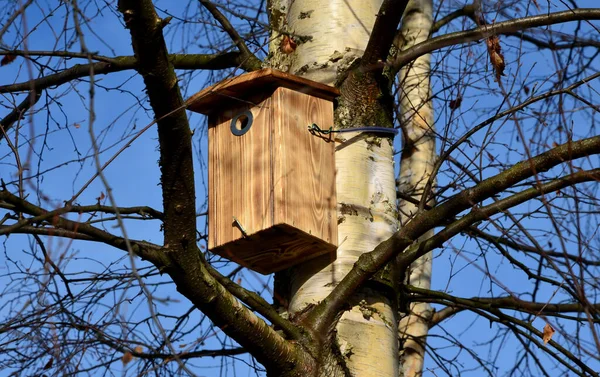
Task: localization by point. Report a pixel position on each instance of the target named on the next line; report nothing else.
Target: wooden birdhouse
(272, 201)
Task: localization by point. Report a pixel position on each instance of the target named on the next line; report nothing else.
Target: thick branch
(383, 32)
(253, 300)
(365, 92)
(249, 61)
(483, 213)
(188, 267)
(469, 11)
(482, 32)
(71, 229)
(18, 113)
(369, 263)
(507, 302)
(123, 63)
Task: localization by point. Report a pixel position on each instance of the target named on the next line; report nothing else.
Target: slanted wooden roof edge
(241, 87)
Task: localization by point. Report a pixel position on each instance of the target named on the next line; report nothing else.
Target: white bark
(367, 214)
(417, 119)
(340, 30)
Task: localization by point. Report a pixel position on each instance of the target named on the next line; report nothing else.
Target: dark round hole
(241, 123)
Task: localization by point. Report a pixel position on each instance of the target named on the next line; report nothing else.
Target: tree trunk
(366, 334)
(418, 157)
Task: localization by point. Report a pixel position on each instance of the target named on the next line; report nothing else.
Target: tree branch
(446, 154)
(490, 308)
(469, 11)
(366, 98)
(483, 213)
(259, 304)
(383, 32)
(492, 312)
(18, 112)
(188, 269)
(143, 211)
(13, 17)
(368, 264)
(72, 229)
(123, 63)
(249, 61)
(474, 232)
(506, 302)
(406, 56)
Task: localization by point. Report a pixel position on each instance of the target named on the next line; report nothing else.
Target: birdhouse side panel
(240, 199)
(304, 165)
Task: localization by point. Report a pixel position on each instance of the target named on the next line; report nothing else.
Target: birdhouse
(272, 201)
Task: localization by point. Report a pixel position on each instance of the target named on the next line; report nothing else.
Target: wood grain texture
(240, 87)
(274, 249)
(304, 173)
(277, 180)
(239, 175)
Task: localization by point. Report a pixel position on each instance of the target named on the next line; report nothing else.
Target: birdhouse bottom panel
(274, 249)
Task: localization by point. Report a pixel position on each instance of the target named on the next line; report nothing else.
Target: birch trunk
(418, 157)
(366, 334)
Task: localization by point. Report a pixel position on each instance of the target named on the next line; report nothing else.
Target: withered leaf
(496, 57)
(547, 333)
(287, 45)
(127, 357)
(455, 103)
(101, 197)
(7, 59)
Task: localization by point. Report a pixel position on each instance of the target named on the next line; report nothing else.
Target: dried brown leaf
(287, 45)
(127, 357)
(139, 349)
(101, 197)
(496, 57)
(7, 59)
(547, 333)
(455, 103)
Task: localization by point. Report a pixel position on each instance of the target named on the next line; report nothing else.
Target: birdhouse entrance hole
(272, 201)
(241, 123)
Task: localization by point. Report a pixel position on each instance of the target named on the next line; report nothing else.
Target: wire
(314, 128)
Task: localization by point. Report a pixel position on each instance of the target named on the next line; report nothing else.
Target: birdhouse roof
(242, 87)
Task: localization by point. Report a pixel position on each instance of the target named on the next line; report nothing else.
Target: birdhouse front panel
(239, 174)
(272, 200)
